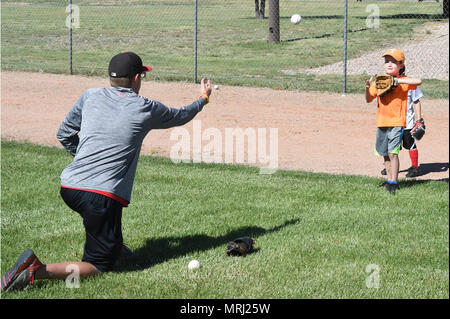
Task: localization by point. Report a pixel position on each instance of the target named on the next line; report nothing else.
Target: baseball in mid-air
(216, 87)
(296, 18)
(194, 264)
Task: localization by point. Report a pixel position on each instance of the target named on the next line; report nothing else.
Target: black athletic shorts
(102, 219)
(408, 141)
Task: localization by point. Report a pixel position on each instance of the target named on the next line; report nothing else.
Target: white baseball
(296, 18)
(194, 264)
(216, 87)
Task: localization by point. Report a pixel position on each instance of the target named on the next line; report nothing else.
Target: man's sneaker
(22, 273)
(383, 172)
(392, 188)
(413, 172)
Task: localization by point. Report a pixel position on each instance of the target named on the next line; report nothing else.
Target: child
(414, 113)
(391, 115)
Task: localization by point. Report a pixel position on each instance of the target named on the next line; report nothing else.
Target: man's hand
(206, 88)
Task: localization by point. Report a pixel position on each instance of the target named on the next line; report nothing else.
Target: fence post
(195, 40)
(70, 37)
(345, 46)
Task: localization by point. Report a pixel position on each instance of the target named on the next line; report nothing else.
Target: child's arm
(417, 106)
(369, 97)
(410, 81)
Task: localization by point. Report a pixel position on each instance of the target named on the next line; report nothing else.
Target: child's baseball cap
(126, 64)
(397, 54)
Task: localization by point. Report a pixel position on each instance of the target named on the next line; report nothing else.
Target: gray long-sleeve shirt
(112, 123)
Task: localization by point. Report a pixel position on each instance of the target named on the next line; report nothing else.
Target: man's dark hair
(120, 82)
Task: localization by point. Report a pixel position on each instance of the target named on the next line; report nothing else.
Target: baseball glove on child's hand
(418, 130)
(385, 83)
(240, 246)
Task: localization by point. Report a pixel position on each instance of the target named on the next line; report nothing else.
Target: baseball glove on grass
(385, 83)
(418, 130)
(240, 246)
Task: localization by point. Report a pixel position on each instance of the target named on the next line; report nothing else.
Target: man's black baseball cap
(125, 65)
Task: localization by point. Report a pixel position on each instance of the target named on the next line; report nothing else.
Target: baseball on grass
(296, 18)
(194, 264)
(216, 87)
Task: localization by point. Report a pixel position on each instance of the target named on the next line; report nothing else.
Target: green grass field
(315, 233)
(232, 44)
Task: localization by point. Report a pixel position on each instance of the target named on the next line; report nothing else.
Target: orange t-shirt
(392, 107)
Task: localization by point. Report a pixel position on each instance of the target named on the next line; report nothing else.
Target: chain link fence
(231, 42)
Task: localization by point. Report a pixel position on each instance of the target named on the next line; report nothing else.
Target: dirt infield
(317, 132)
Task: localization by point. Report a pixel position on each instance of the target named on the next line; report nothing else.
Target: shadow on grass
(159, 250)
(289, 17)
(415, 182)
(426, 168)
(418, 16)
(325, 35)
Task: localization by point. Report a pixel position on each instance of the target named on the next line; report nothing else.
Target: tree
(274, 21)
(260, 6)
